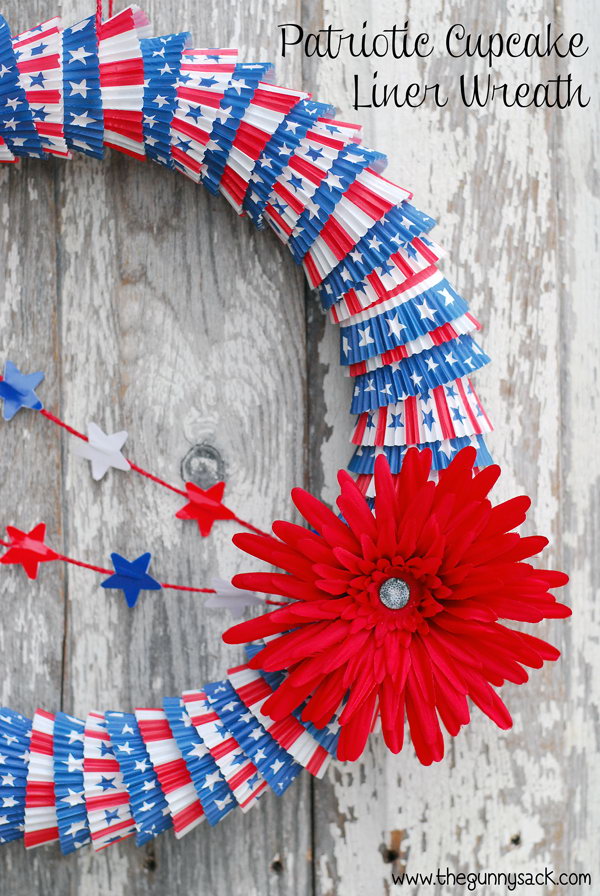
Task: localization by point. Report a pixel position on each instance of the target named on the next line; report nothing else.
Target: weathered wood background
(151, 307)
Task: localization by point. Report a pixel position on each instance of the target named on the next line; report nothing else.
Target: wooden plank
(170, 318)
(500, 801)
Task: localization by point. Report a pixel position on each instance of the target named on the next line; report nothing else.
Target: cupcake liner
(446, 412)
(268, 110)
(15, 736)
(399, 228)
(289, 733)
(417, 374)
(162, 62)
(39, 53)
(242, 776)
(73, 827)
(363, 204)
(147, 802)
(404, 318)
(326, 737)
(462, 325)
(41, 824)
(277, 154)
(351, 161)
(363, 460)
(237, 97)
(273, 762)
(298, 181)
(213, 790)
(16, 121)
(180, 793)
(203, 77)
(106, 796)
(84, 116)
(122, 79)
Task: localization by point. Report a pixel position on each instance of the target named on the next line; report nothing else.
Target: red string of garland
(75, 432)
(100, 11)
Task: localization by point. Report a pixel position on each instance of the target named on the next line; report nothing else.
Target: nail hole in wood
(388, 855)
(203, 465)
(277, 865)
(516, 840)
(150, 860)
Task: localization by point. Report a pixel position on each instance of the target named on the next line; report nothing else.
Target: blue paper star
(17, 390)
(37, 80)
(428, 419)
(107, 783)
(131, 577)
(111, 815)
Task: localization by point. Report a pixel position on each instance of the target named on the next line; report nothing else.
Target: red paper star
(205, 506)
(28, 549)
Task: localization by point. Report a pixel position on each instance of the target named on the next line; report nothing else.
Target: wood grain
(151, 307)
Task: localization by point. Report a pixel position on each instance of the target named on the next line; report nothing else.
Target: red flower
(394, 614)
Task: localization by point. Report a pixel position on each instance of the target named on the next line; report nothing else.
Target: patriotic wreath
(388, 612)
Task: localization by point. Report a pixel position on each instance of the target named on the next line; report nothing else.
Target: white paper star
(102, 450)
(227, 597)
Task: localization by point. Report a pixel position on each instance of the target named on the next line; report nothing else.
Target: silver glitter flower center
(394, 594)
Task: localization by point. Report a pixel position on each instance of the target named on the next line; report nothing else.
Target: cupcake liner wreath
(385, 616)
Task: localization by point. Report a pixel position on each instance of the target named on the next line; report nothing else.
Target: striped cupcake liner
(41, 823)
(397, 229)
(276, 155)
(15, 737)
(162, 62)
(236, 99)
(147, 802)
(273, 762)
(73, 827)
(253, 689)
(363, 460)
(122, 79)
(182, 800)
(269, 108)
(307, 167)
(417, 374)
(365, 202)
(404, 318)
(16, 121)
(213, 791)
(39, 54)
(460, 326)
(245, 781)
(203, 80)
(326, 737)
(351, 161)
(106, 796)
(84, 116)
(447, 412)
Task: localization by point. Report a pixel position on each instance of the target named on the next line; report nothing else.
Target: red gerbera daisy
(394, 614)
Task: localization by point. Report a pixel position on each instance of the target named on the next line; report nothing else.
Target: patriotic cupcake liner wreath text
(387, 613)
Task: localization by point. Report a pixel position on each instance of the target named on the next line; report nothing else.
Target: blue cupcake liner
(82, 98)
(417, 374)
(402, 323)
(162, 62)
(273, 762)
(236, 100)
(213, 791)
(73, 827)
(146, 799)
(277, 153)
(15, 735)
(363, 459)
(351, 160)
(326, 737)
(398, 228)
(16, 119)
